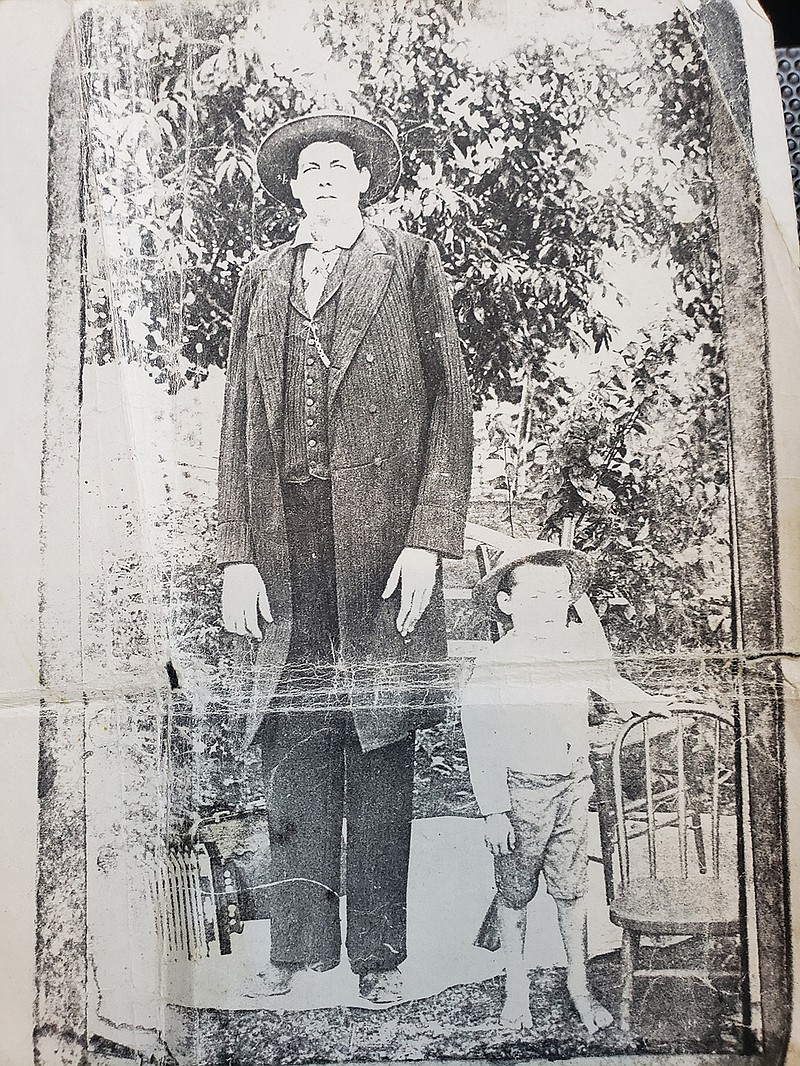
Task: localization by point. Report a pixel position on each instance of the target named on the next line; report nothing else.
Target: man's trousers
(317, 775)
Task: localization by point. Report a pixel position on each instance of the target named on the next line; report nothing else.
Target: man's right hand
(498, 832)
(244, 596)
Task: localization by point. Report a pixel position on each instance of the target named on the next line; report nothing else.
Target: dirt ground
(671, 1015)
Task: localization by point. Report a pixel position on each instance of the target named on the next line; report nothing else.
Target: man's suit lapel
(363, 287)
(271, 308)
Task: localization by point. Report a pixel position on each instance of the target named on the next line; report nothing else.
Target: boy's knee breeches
(550, 816)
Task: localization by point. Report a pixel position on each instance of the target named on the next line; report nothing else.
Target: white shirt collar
(342, 233)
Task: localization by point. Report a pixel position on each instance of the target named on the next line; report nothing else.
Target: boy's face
(328, 182)
(539, 599)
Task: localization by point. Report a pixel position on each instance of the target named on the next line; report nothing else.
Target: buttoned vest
(306, 450)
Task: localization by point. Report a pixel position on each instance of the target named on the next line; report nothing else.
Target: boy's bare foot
(516, 1012)
(517, 1020)
(593, 1014)
(276, 981)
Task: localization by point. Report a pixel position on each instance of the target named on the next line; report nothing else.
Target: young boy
(525, 719)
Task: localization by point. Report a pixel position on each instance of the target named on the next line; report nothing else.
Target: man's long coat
(400, 437)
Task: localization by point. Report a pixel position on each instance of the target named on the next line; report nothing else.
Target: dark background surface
(785, 17)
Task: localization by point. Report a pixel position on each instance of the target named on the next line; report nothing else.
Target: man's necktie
(319, 261)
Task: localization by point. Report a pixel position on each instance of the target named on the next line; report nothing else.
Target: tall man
(345, 463)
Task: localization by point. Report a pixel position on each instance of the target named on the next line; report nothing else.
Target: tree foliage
(535, 173)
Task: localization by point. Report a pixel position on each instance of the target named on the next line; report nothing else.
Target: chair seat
(672, 905)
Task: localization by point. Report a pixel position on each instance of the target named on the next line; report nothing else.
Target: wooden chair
(484, 562)
(684, 781)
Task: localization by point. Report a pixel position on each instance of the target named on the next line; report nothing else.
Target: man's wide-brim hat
(538, 552)
(372, 145)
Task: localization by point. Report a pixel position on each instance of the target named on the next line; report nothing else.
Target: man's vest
(306, 450)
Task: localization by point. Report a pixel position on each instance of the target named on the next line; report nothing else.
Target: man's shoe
(276, 981)
(381, 986)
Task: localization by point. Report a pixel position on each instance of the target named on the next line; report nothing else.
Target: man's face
(328, 182)
(539, 599)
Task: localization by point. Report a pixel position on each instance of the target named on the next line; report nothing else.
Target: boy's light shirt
(526, 707)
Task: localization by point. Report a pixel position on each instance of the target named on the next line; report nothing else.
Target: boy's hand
(643, 704)
(498, 832)
(661, 706)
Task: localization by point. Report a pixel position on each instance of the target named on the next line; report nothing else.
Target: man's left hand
(415, 573)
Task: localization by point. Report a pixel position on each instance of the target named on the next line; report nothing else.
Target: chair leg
(630, 949)
(697, 828)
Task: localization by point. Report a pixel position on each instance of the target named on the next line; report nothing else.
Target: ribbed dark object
(789, 76)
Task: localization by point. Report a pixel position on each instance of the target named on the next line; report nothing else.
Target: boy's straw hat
(534, 551)
(373, 145)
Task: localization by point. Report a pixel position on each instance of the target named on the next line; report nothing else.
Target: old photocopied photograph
(410, 616)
